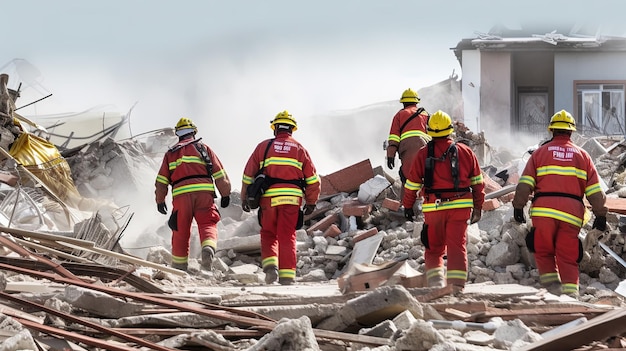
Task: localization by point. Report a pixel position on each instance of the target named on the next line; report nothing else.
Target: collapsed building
(68, 282)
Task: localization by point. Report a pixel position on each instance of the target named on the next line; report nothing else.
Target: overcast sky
(231, 66)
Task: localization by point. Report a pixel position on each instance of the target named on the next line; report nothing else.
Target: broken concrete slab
(365, 250)
(363, 277)
(374, 307)
(99, 303)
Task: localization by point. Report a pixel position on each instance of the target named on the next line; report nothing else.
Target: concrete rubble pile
(360, 267)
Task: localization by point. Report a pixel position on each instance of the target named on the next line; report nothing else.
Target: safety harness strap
(419, 110)
(571, 196)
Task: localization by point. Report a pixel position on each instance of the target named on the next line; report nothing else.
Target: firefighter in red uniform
(407, 133)
(559, 174)
(193, 170)
(451, 180)
(293, 182)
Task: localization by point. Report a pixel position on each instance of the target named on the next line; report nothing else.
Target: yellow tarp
(43, 159)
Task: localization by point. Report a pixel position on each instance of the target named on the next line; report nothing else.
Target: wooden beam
(609, 324)
(127, 258)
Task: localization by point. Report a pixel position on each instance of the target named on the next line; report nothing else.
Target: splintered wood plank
(612, 323)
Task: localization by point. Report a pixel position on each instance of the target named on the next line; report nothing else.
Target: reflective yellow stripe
(435, 272)
(283, 191)
(457, 275)
(560, 170)
(569, 288)
(185, 159)
(281, 161)
(219, 174)
(526, 179)
(414, 133)
(394, 137)
(476, 180)
(247, 180)
(162, 179)
(179, 259)
(448, 205)
(270, 261)
(287, 273)
(285, 200)
(548, 278)
(556, 214)
(592, 189)
(209, 242)
(412, 185)
(183, 189)
(312, 179)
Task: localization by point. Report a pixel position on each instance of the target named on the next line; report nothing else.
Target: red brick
(507, 198)
(393, 205)
(364, 235)
(356, 209)
(324, 223)
(332, 231)
(491, 204)
(348, 179)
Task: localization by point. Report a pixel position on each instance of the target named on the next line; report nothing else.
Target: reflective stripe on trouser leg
(556, 250)
(549, 278)
(278, 235)
(206, 216)
(269, 262)
(456, 245)
(434, 277)
(567, 252)
(182, 204)
(447, 234)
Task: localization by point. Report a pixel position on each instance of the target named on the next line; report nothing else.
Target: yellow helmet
(284, 118)
(562, 120)
(185, 126)
(409, 96)
(439, 124)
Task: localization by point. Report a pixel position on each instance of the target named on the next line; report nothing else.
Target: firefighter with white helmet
(407, 133)
(450, 178)
(292, 183)
(194, 172)
(559, 175)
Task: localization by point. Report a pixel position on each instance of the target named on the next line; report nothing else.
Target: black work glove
(599, 223)
(162, 208)
(245, 207)
(409, 214)
(518, 214)
(308, 209)
(225, 201)
(391, 162)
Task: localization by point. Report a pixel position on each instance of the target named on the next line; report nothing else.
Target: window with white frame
(601, 108)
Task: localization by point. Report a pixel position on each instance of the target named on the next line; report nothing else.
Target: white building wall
(470, 89)
(571, 66)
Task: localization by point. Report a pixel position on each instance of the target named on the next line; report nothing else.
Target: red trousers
(278, 237)
(556, 251)
(187, 207)
(447, 233)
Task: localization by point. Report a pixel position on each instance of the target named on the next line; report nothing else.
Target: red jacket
(186, 171)
(286, 159)
(561, 167)
(470, 176)
(410, 139)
